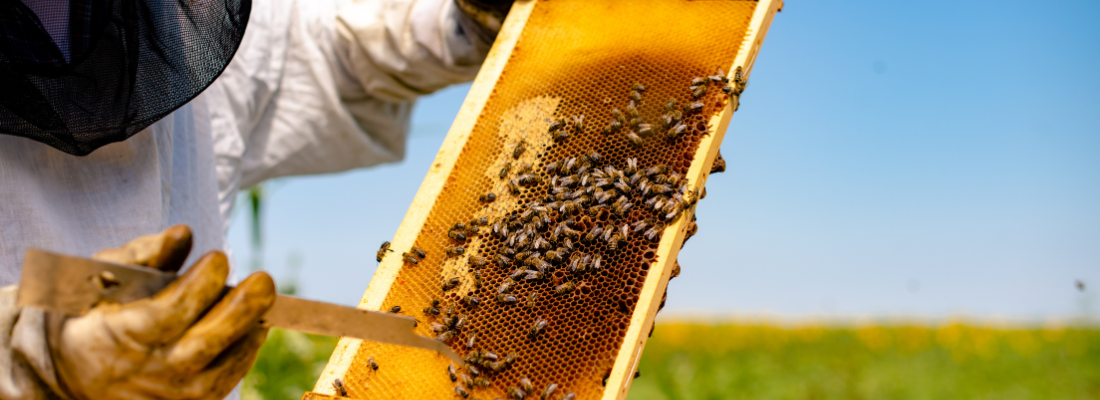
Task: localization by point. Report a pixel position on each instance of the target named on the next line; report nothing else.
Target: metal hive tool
(553, 60)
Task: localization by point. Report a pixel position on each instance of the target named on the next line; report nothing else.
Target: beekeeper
(126, 119)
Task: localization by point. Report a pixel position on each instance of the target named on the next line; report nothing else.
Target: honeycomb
(574, 57)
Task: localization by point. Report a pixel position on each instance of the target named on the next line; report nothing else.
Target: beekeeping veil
(80, 74)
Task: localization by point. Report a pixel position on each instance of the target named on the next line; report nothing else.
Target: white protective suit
(316, 86)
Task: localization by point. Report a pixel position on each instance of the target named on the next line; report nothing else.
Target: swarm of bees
(591, 210)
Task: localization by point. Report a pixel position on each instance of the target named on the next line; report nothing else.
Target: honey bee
(631, 166)
(738, 77)
(634, 95)
(537, 329)
(568, 167)
(506, 286)
(553, 256)
(395, 309)
(382, 251)
(696, 81)
(373, 365)
(654, 234)
(634, 139)
(457, 236)
(519, 273)
(531, 298)
(476, 261)
(719, 164)
(672, 215)
(530, 179)
(578, 122)
(456, 251)
(505, 170)
(676, 130)
(526, 385)
(618, 115)
(549, 391)
(565, 288)
(338, 385)
(431, 311)
(615, 242)
(638, 87)
(450, 284)
(520, 148)
(698, 105)
(451, 373)
(487, 198)
(482, 382)
(622, 209)
(516, 393)
(471, 301)
(506, 298)
(692, 229)
(720, 77)
(552, 168)
(561, 134)
(462, 392)
(612, 126)
(418, 252)
(597, 262)
(577, 263)
(634, 122)
(673, 179)
(623, 187)
(727, 89)
(593, 156)
(631, 110)
(645, 129)
(477, 279)
(460, 322)
(656, 170)
(593, 234)
(410, 259)
(470, 340)
(570, 396)
(699, 91)
(513, 187)
(556, 125)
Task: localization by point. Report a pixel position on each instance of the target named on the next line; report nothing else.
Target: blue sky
(889, 159)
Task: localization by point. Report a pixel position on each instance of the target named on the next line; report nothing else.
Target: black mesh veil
(129, 63)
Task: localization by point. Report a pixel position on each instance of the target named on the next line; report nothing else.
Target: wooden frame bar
(642, 319)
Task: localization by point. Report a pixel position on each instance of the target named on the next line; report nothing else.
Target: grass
(768, 361)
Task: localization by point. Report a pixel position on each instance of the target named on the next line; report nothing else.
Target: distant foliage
(760, 361)
(288, 366)
(952, 361)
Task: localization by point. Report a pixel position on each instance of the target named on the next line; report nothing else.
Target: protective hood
(117, 67)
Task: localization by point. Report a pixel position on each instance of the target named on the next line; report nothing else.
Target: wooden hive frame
(437, 179)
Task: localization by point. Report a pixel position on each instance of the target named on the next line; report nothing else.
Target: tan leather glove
(186, 342)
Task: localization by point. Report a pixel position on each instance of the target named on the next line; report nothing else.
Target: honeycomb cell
(575, 58)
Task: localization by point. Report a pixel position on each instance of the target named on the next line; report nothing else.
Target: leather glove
(487, 13)
(186, 342)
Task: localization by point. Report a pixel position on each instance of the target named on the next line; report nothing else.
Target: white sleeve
(324, 86)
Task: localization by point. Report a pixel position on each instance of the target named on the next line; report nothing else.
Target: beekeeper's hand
(488, 13)
(186, 342)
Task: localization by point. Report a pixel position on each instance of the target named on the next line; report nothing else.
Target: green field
(805, 361)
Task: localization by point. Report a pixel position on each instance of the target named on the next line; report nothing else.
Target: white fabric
(317, 86)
